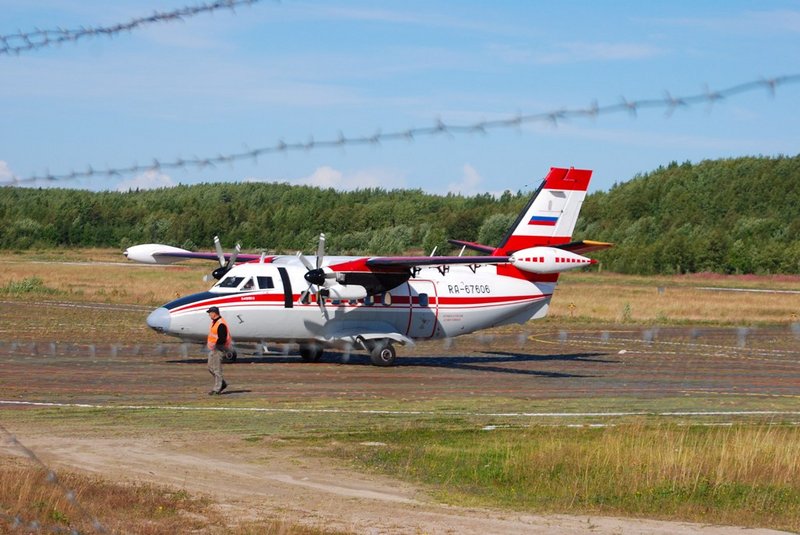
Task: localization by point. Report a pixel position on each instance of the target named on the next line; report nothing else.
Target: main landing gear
(382, 353)
(311, 352)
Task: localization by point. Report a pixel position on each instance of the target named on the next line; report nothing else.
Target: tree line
(731, 216)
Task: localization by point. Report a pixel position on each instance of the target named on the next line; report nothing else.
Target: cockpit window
(249, 285)
(230, 282)
(265, 283)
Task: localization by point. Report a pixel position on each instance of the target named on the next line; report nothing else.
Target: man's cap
(212, 309)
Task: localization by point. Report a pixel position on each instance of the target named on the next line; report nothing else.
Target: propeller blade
(320, 250)
(321, 302)
(232, 259)
(224, 266)
(220, 253)
(309, 266)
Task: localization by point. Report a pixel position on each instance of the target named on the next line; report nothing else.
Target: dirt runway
(599, 363)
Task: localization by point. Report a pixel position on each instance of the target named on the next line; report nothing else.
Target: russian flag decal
(547, 221)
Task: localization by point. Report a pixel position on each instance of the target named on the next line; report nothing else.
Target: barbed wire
(16, 43)
(713, 341)
(52, 479)
(668, 102)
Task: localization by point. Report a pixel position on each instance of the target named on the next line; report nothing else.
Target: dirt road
(269, 482)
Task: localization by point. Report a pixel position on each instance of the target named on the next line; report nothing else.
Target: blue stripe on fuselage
(187, 299)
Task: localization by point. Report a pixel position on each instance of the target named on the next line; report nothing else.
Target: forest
(737, 215)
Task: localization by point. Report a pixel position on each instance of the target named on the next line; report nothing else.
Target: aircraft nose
(158, 320)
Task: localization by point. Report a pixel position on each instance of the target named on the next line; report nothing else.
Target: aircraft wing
(408, 262)
(156, 253)
(241, 257)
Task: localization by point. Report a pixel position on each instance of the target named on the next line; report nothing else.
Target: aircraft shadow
(484, 363)
(476, 363)
(582, 357)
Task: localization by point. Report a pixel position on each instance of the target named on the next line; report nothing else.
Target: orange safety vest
(213, 336)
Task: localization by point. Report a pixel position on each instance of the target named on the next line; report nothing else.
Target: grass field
(743, 474)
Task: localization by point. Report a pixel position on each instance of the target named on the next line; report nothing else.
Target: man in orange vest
(219, 343)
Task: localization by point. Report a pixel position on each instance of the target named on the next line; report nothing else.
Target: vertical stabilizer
(550, 216)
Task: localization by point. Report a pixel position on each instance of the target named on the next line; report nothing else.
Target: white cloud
(747, 22)
(413, 17)
(323, 177)
(5, 172)
(469, 183)
(328, 177)
(151, 179)
(575, 52)
(645, 138)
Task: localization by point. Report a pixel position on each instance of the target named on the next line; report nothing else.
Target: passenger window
(368, 301)
(423, 300)
(265, 283)
(387, 299)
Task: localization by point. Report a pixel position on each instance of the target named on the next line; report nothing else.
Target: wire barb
(17, 43)
(668, 103)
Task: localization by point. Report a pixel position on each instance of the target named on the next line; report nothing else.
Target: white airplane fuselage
(435, 303)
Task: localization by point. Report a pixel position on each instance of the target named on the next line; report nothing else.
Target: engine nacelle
(548, 260)
(148, 253)
(344, 292)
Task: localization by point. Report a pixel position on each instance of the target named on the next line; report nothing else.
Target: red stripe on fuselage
(400, 301)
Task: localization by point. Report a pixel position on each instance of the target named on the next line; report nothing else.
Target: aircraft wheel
(383, 354)
(311, 352)
(230, 356)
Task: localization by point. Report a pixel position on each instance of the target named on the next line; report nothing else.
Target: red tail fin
(550, 216)
(548, 219)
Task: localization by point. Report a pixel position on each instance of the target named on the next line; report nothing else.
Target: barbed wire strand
(17, 43)
(52, 479)
(668, 102)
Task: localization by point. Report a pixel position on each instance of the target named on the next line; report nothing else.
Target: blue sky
(219, 83)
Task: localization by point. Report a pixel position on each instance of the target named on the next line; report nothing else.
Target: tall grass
(731, 475)
(28, 285)
(28, 500)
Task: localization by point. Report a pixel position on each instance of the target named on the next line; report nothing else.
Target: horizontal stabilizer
(584, 246)
(474, 246)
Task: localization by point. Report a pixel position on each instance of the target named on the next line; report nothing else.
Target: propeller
(316, 276)
(224, 266)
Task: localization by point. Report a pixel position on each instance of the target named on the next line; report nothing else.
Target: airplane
(374, 303)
